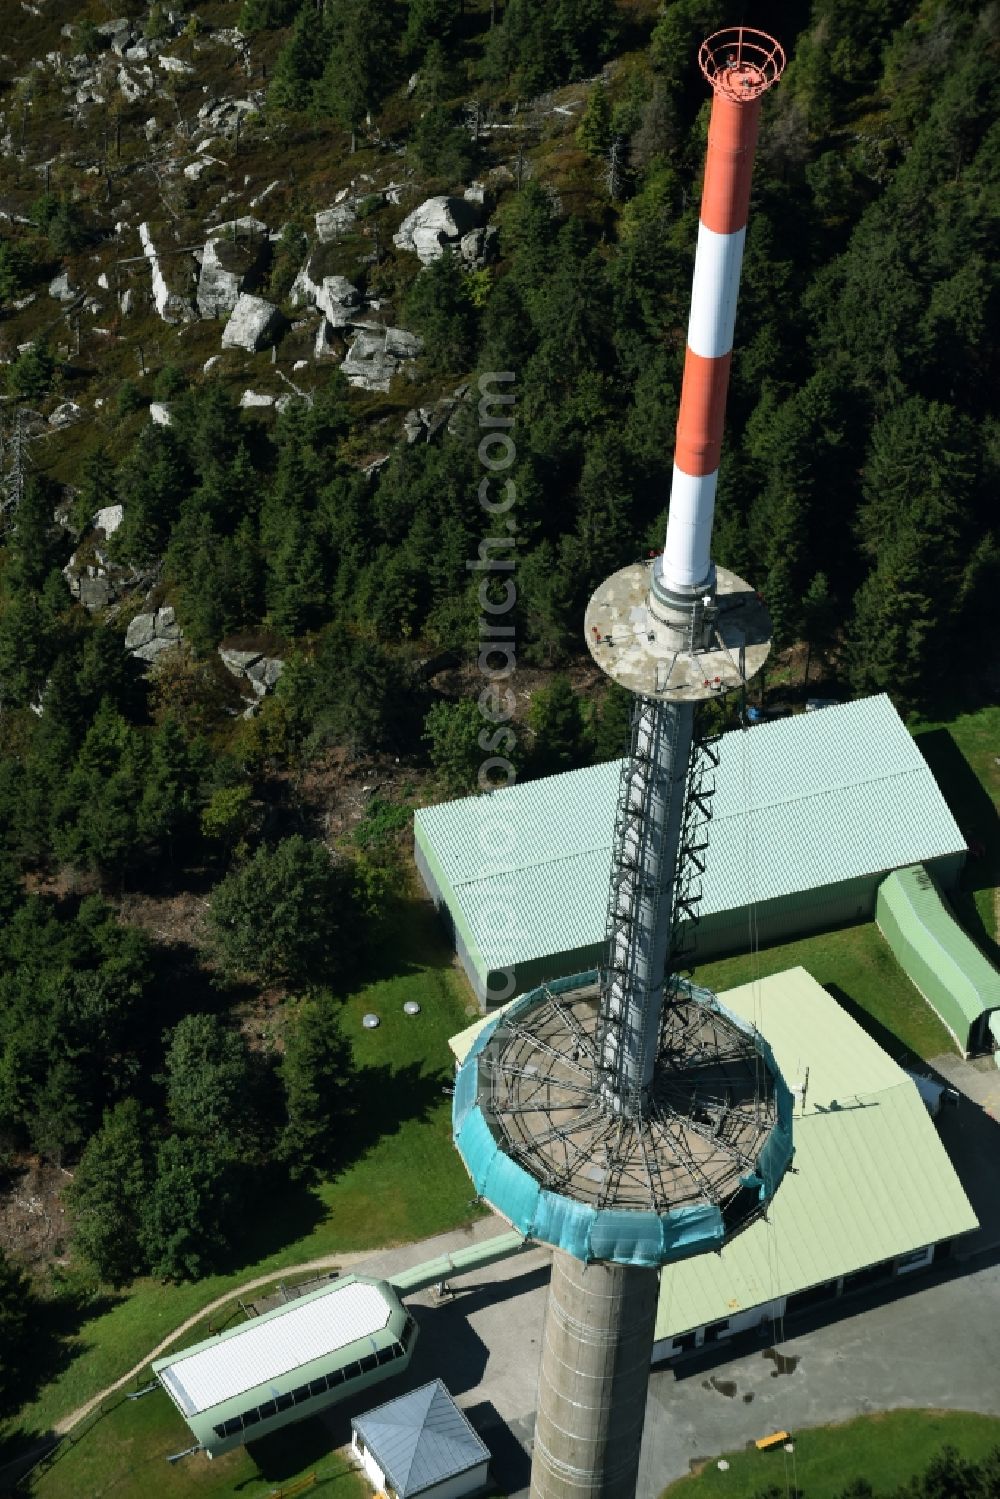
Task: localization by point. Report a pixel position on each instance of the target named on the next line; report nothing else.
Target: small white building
(420, 1444)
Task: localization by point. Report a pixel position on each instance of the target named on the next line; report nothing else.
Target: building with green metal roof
(810, 814)
(941, 960)
(873, 1193)
(289, 1363)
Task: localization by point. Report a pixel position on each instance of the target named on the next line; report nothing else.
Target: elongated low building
(290, 1362)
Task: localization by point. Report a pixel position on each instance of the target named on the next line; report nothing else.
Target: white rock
(376, 354)
(65, 414)
(159, 413)
(103, 282)
(332, 223)
(336, 297)
(253, 325)
(255, 398)
(175, 65)
(436, 225)
(140, 631)
(265, 192)
(60, 288)
(171, 304)
(300, 364)
(210, 363)
(108, 519)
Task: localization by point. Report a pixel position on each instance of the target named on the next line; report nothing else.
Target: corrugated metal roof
(871, 1179)
(274, 1345)
(800, 803)
(420, 1439)
(963, 972)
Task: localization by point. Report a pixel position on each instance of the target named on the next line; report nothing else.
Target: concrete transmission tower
(625, 1117)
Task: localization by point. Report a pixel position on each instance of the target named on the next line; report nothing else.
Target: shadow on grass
(879, 1033)
(55, 1324)
(292, 1451)
(977, 817)
(391, 1097)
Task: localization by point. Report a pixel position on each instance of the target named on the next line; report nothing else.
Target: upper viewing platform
(741, 63)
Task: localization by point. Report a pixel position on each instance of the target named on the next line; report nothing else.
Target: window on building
(351, 1371)
(870, 1275)
(283, 1402)
(716, 1330)
(317, 1386)
(369, 1362)
(268, 1409)
(811, 1297)
(916, 1260)
(301, 1393)
(250, 1418)
(684, 1343)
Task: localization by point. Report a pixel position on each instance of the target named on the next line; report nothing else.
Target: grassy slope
(887, 1450)
(404, 1145)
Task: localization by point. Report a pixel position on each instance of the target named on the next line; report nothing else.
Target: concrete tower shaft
(741, 65)
(596, 1348)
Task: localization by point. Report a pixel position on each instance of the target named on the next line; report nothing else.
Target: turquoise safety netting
(626, 1237)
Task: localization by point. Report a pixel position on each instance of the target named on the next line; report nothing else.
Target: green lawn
(856, 965)
(124, 1453)
(405, 1182)
(887, 1449)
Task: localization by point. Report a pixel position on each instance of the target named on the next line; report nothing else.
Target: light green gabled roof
(800, 803)
(942, 949)
(870, 1179)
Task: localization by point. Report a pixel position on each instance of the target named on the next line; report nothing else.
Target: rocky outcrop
(377, 354)
(258, 671)
(149, 635)
(336, 297)
(423, 423)
(480, 247)
(436, 226)
(159, 413)
(227, 269)
(62, 289)
(66, 414)
(333, 223)
(171, 280)
(254, 324)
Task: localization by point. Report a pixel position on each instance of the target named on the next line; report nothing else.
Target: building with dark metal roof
(420, 1444)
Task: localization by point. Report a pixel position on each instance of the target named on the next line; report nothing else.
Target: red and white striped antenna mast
(741, 65)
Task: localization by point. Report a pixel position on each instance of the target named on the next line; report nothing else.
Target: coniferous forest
(858, 492)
